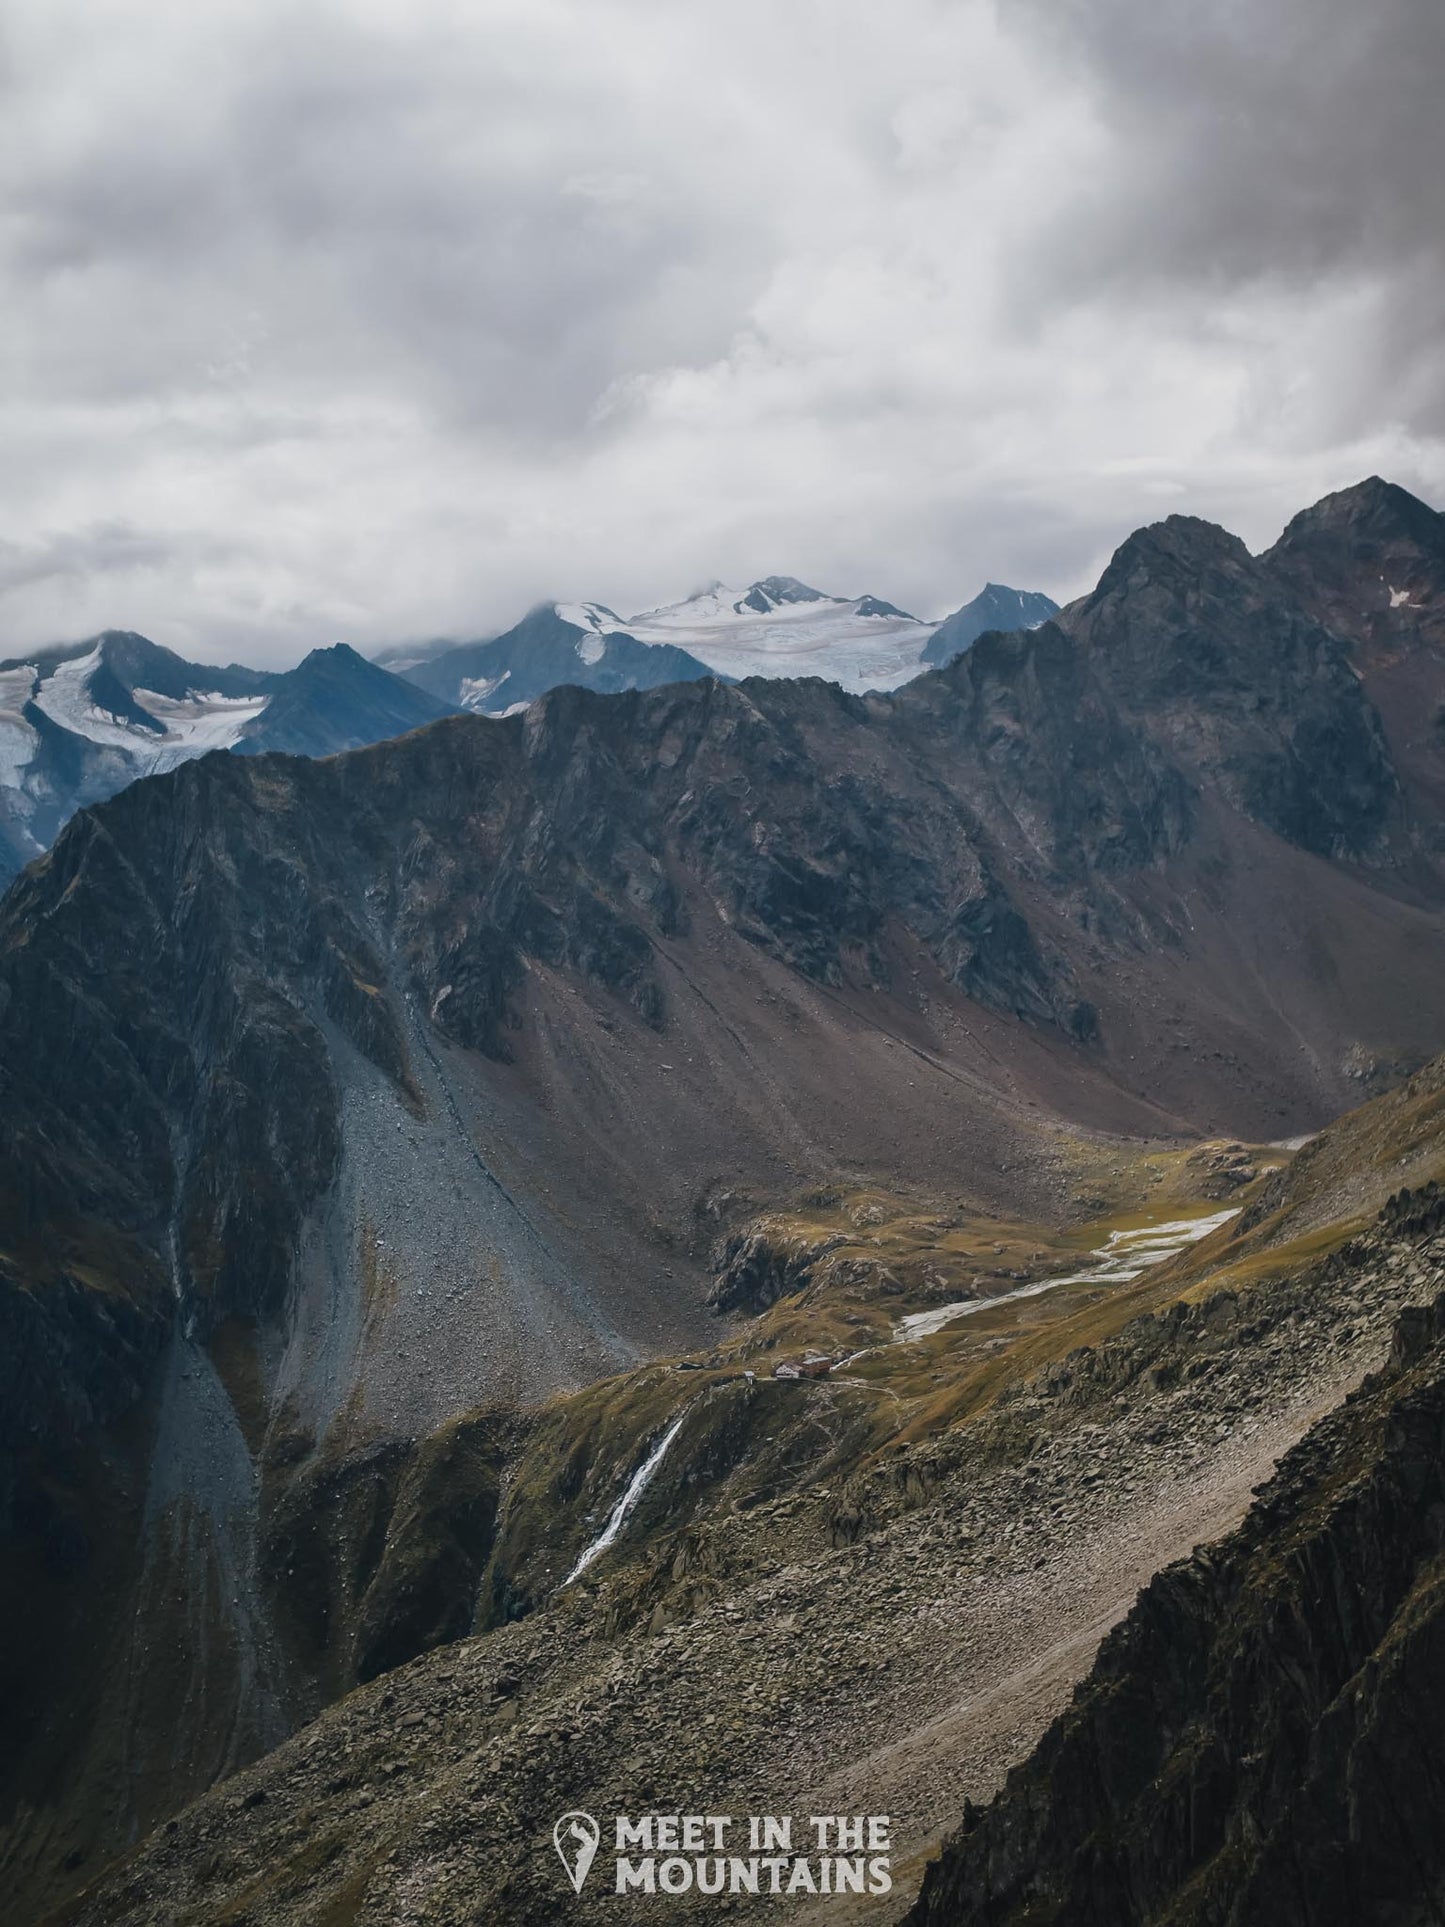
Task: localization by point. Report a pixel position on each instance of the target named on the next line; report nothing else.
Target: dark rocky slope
(996, 606)
(545, 651)
(792, 1617)
(1369, 563)
(1261, 1739)
(333, 700)
(1246, 690)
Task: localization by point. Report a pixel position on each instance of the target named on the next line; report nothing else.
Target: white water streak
(627, 1504)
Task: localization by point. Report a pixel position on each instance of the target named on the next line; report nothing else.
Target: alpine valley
(868, 1239)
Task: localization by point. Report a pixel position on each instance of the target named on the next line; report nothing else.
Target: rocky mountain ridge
(1369, 563)
(1250, 1743)
(79, 723)
(775, 627)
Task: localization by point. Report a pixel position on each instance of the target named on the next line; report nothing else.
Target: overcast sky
(379, 321)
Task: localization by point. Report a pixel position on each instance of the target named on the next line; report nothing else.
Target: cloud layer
(376, 320)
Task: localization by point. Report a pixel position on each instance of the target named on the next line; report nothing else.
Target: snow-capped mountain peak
(100, 691)
(81, 721)
(595, 616)
(779, 626)
(596, 621)
(776, 626)
(776, 590)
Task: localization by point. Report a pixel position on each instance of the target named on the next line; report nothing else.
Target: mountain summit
(779, 626)
(579, 645)
(80, 721)
(996, 606)
(774, 592)
(776, 626)
(1370, 561)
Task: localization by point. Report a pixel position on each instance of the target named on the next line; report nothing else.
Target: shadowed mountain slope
(994, 607)
(1243, 689)
(1369, 563)
(79, 723)
(1260, 1739)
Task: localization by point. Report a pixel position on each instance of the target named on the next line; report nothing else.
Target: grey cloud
(104, 549)
(410, 215)
(338, 317)
(1286, 137)
(1293, 145)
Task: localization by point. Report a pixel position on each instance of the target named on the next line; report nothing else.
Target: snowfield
(859, 642)
(192, 726)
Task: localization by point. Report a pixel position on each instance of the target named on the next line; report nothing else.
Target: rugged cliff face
(1369, 563)
(1259, 1740)
(1246, 690)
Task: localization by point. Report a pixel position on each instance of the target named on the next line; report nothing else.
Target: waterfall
(627, 1504)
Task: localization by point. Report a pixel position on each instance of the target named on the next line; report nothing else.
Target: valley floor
(892, 1645)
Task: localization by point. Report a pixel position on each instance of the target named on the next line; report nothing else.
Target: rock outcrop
(1259, 1740)
(1242, 686)
(1369, 563)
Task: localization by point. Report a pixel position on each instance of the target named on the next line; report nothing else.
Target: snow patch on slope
(593, 616)
(197, 723)
(1123, 1256)
(18, 738)
(193, 724)
(596, 621)
(477, 691)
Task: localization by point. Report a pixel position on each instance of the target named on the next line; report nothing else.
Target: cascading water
(627, 1504)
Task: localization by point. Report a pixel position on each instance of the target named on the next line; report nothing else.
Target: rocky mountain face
(78, 724)
(996, 606)
(1369, 563)
(350, 1109)
(583, 646)
(1257, 1741)
(1245, 689)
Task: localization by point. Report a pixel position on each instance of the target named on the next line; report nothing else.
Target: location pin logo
(575, 1837)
